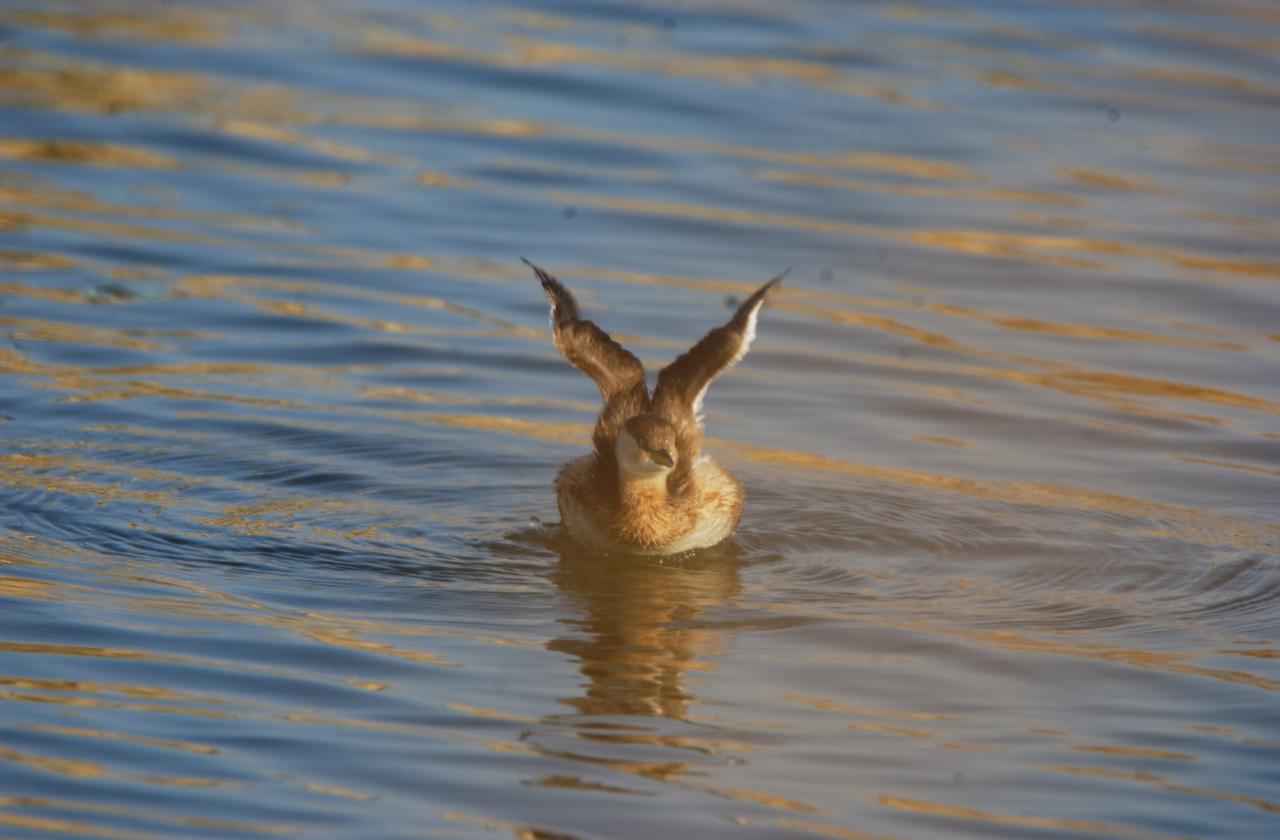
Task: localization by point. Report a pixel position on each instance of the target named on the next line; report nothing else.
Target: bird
(647, 488)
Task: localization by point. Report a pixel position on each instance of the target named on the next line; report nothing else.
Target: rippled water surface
(280, 413)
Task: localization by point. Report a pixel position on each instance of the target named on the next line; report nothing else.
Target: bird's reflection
(637, 636)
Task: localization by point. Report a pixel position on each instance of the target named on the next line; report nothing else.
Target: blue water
(280, 413)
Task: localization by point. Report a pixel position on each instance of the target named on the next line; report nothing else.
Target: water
(281, 415)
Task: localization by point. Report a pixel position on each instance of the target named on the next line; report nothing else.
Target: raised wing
(587, 347)
(683, 383)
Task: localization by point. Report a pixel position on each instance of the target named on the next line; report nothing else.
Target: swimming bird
(647, 488)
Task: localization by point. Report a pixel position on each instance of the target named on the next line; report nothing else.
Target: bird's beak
(662, 456)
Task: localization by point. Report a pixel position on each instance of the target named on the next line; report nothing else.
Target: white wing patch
(748, 336)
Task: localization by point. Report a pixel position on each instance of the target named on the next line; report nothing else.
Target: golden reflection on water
(636, 648)
(880, 162)
(142, 740)
(77, 769)
(762, 798)
(77, 828)
(1023, 643)
(1162, 782)
(288, 137)
(168, 23)
(634, 644)
(62, 826)
(99, 89)
(242, 113)
(81, 152)
(72, 201)
(964, 813)
(820, 829)
(1034, 247)
(32, 329)
(33, 590)
(519, 831)
(522, 52)
(829, 181)
(13, 219)
(641, 635)
(24, 261)
(838, 707)
(1053, 249)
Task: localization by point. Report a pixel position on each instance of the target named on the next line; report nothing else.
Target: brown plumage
(647, 488)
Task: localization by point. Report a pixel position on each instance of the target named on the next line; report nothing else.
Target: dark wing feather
(587, 347)
(617, 373)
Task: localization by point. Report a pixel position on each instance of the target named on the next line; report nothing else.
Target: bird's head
(646, 446)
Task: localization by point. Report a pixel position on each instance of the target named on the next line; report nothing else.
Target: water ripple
(280, 418)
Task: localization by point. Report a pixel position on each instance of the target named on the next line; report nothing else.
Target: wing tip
(542, 275)
(752, 304)
(558, 296)
(768, 287)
